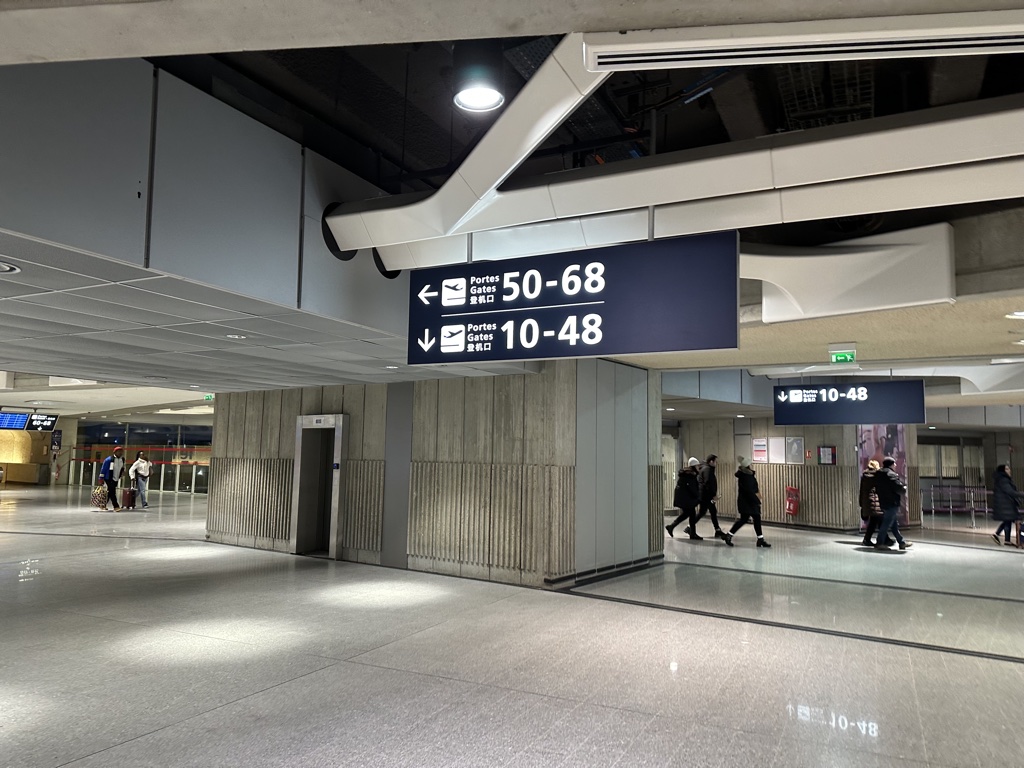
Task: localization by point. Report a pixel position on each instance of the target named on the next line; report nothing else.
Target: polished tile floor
(132, 642)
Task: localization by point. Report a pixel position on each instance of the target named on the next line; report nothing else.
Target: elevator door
(317, 491)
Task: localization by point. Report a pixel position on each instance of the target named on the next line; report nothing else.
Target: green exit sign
(207, 398)
(849, 356)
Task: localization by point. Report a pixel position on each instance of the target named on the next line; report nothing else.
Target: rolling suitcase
(128, 498)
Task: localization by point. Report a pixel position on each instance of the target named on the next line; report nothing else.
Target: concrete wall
(524, 479)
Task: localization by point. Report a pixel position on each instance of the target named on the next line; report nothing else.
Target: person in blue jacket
(110, 473)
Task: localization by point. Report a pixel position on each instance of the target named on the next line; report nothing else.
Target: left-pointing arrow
(427, 341)
(426, 293)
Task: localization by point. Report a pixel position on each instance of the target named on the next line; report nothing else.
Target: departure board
(13, 420)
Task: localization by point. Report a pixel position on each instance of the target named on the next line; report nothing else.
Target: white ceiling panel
(327, 325)
(201, 294)
(76, 303)
(268, 327)
(16, 308)
(45, 278)
(131, 296)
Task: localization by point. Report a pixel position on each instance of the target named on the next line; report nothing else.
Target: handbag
(99, 496)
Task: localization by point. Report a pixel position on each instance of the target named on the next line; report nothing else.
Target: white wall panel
(623, 464)
(637, 509)
(586, 465)
(226, 197)
(74, 154)
(604, 523)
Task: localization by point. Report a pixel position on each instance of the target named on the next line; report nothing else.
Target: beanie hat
(888, 461)
(744, 461)
(693, 462)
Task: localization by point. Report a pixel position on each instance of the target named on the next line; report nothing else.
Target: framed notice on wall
(759, 448)
(826, 454)
(794, 450)
(777, 450)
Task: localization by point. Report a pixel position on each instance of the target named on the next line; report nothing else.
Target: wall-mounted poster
(777, 450)
(826, 454)
(759, 446)
(794, 450)
(878, 441)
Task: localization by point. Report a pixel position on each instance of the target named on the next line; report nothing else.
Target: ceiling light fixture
(1019, 343)
(931, 427)
(670, 409)
(235, 336)
(391, 367)
(740, 416)
(1015, 316)
(193, 386)
(478, 75)
(8, 269)
(156, 378)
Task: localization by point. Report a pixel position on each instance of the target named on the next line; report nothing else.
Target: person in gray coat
(1006, 501)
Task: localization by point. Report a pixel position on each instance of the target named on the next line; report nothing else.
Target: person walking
(889, 487)
(748, 503)
(870, 510)
(110, 473)
(1006, 501)
(687, 497)
(139, 474)
(708, 495)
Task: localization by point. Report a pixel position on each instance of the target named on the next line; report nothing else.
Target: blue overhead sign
(875, 402)
(13, 420)
(656, 296)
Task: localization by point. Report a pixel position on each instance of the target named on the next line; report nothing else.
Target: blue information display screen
(657, 296)
(876, 402)
(13, 420)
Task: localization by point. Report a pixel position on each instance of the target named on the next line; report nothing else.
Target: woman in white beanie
(748, 502)
(687, 497)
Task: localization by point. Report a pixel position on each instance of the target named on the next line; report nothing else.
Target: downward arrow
(782, 397)
(425, 293)
(426, 342)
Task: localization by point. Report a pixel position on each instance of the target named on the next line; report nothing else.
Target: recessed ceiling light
(1016, 316)
(8, 269)
(193, 386)
(1019, 343)
(740, 416)
(931, 427)
(391, 367)
(234, 336)
(156, 378)
(670, 409)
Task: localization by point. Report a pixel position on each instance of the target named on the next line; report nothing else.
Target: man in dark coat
(687, 497)
(889, 488)
(748, 503)
(708, 495)
(1005, 502)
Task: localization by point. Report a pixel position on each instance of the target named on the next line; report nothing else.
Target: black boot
(763, 543)
(670, 528)
(727, 538)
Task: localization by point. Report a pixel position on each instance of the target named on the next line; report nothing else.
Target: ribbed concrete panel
(250, 513)
(506, 543)
(828, 494)
(655, 508)
(535, 522)
(363, 512)
(475, 528)
(448, 518)
(420, 515)
(561, 529)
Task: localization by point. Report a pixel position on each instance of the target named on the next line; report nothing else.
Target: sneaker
(867, 543)
(906, 545)
(763, 543)
(694, 536)
(882, 547)
(687, 531)
(145, 505)
(117, 509)
(727, 538)
(997, 540)
(669, 529)
(719, 533)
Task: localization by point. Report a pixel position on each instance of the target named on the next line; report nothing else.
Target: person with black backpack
(687, 497)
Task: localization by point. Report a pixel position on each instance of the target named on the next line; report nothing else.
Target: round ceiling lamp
(8, 269)
(478, 75)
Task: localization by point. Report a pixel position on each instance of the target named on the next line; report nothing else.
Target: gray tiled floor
(118, 650)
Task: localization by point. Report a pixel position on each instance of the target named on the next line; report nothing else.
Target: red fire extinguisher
(792, 500)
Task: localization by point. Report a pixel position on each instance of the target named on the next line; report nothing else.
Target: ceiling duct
(831, 40)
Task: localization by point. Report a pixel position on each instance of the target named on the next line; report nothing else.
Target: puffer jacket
(1005, 498)
(708, 483)
(687, 493)
(747, 488)
(868, 497)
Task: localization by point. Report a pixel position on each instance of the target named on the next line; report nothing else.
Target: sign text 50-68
(571, 283)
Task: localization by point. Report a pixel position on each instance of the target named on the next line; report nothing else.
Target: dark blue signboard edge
(920, 415)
